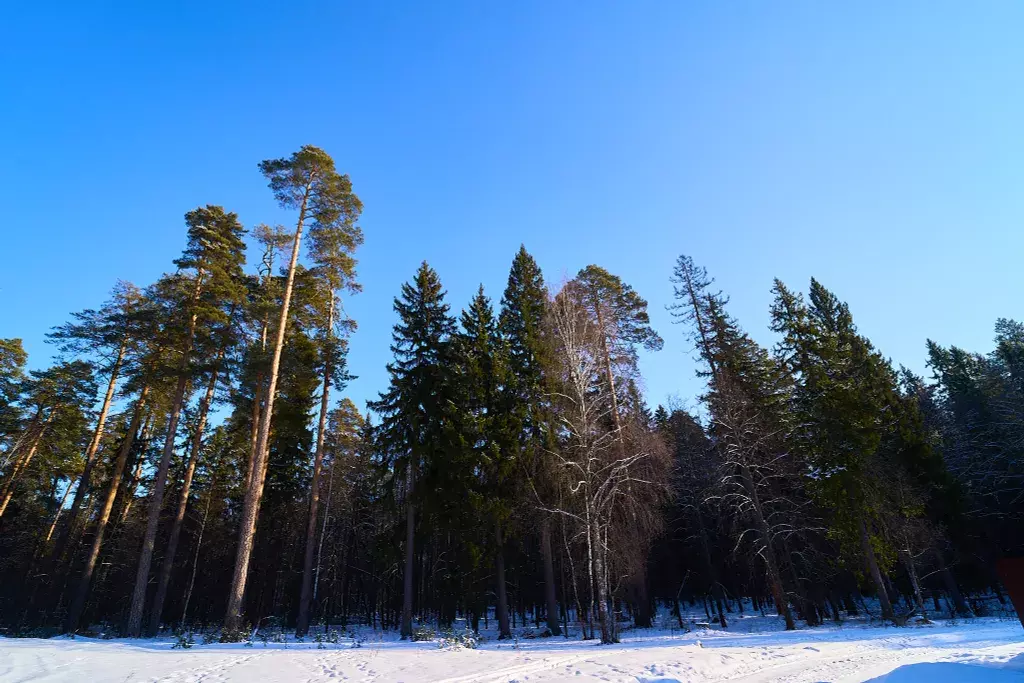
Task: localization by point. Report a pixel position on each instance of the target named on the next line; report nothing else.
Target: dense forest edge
(190, 461)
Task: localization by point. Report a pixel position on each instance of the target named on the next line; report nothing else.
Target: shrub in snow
(183, 640)
(452, 640)
(423, 633)
(236, 636)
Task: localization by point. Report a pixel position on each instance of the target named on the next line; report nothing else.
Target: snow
(752, 650)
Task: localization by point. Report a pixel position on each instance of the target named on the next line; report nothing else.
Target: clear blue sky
(877, 146)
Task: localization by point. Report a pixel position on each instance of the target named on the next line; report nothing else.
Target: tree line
(185, 462)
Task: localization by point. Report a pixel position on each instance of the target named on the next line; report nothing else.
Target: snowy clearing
(987, 650)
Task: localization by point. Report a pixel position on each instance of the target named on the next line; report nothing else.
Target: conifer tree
(306, 181)
(483, 378)
(199, 296)
(521, 325)
(55, 398)
(107, 335)
(743, 392)
(621, 324)
(413, 432)
(74, 614)
(846, 393)
(12, 375)
(333, 246)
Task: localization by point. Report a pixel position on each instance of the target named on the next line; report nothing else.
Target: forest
(190, 461)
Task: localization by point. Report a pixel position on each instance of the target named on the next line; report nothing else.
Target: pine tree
(622, 324)
(226, 339)
(333, 245)
(208, 282)
(74, 614)
(108, 335)
(306, 181)
(12, 375)
(55, 398)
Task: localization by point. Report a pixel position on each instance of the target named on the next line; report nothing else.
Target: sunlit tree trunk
(27, 434)
(131, 484)
(254, 491)
(90, 452)
(57, 513)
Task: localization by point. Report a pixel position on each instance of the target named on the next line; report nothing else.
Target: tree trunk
(549, 578)
(257, 405)
(57, 512)
(199, 546)
(254, 492)
(130, 484)
(601, 589)
(410, 536)
(500, 587)
(306, 594)
(156, 500)
(915, 583)
(959, 604)
(876, 573)
(716, 585)
(323, 535)
(75, 612)
(772, 562)
(167, 565)
(643, 617)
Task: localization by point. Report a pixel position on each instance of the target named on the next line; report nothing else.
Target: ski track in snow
(980, 650)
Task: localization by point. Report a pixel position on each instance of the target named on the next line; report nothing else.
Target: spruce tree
(521, 325)
(413, 433)
(846, 397)
(746, 416)
(493, 431)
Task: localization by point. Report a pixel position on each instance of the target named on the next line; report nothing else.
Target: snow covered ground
(754, 650)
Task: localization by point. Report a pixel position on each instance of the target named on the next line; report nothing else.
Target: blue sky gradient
(876, 146)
